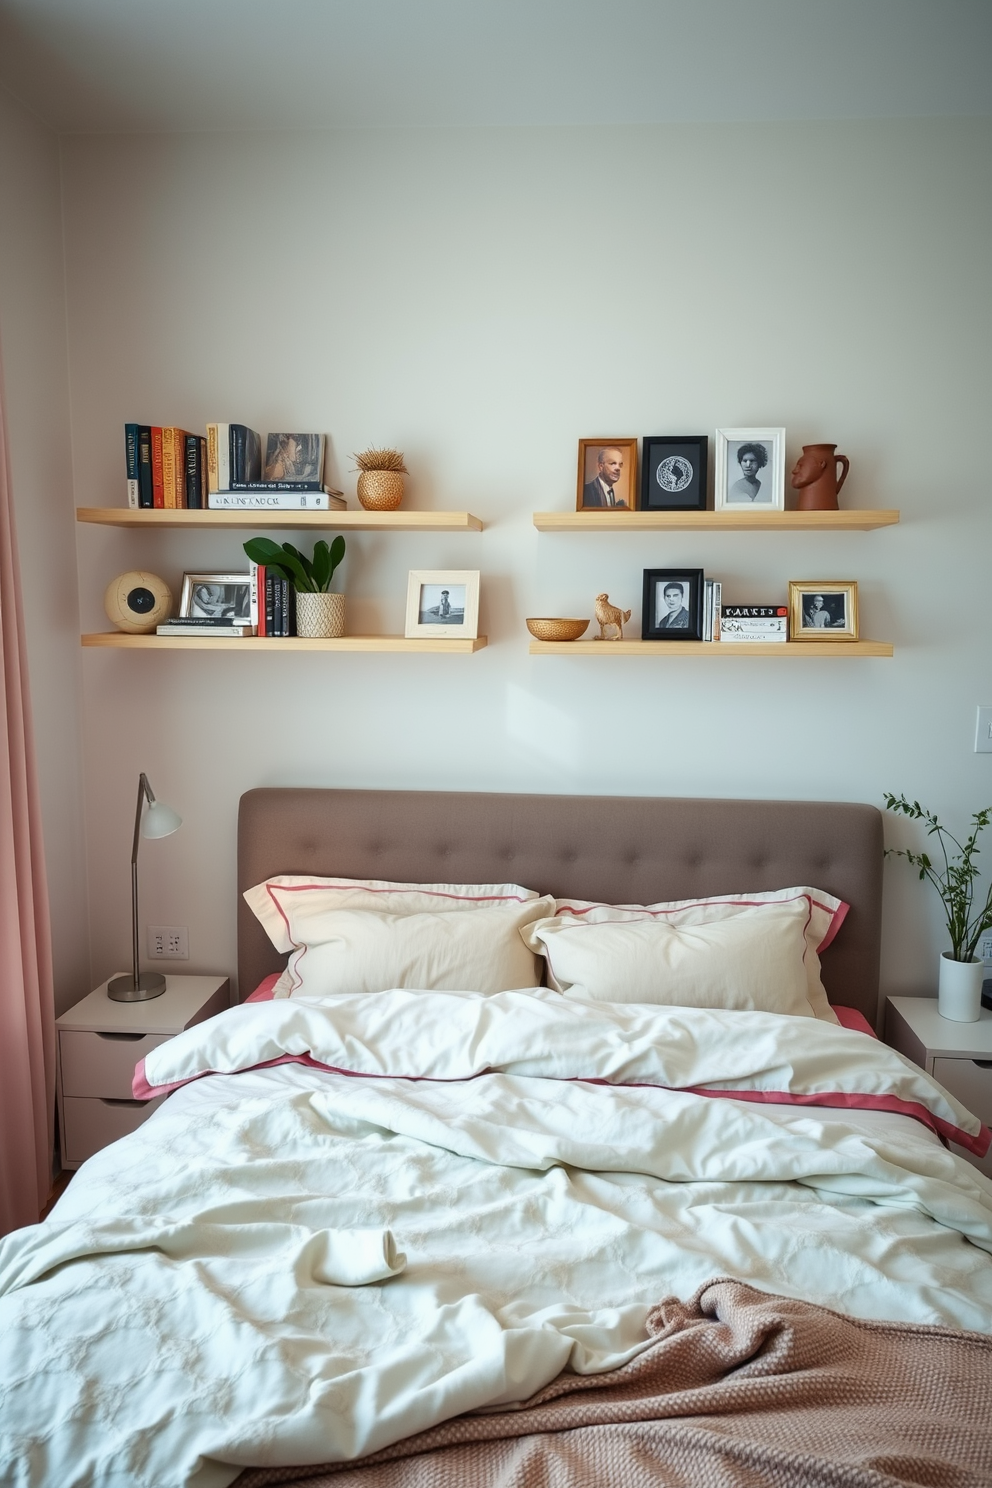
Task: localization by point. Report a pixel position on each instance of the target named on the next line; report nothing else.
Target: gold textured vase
(380, 490)
(320, 617)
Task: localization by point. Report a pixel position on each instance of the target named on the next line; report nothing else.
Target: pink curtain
(27, 1015)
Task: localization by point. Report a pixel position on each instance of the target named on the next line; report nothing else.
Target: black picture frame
(664, 459)
(655, 610)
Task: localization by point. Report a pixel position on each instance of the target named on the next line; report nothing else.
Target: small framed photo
(216, 596)
(607, 475)
(673, 472)
(443, 603)
(750, 470)
(823, 610)
(673, 604)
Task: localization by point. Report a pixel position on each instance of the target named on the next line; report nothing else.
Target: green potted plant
(954, 877)
(319, 612)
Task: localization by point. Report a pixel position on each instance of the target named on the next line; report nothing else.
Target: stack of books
(273, 602)
(712, 592)
(191, 625)
(224, 470)
(744, 623)
(166, 467)
(289, 479)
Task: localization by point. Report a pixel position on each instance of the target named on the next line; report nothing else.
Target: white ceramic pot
(959, 990)
(319, 616)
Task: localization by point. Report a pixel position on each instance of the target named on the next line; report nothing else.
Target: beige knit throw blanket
(739, 1388)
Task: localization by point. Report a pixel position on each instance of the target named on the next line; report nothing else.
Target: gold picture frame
(607, 466)
(823, 610)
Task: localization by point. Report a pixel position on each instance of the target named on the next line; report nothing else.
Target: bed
(444, 1235)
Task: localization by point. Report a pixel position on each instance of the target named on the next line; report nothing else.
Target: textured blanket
(738, 1388)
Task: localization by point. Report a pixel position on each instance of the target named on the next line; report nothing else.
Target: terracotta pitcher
(814, 476)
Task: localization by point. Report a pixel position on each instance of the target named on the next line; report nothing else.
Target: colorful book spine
(270, 603)
(212, 458)
(261, 590)
(157, 494)
(146, 498)
(131, 434)
(170, 486)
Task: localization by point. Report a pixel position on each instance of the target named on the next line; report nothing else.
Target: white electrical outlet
(168, 942)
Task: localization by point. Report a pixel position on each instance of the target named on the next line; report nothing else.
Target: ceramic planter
(959, 989)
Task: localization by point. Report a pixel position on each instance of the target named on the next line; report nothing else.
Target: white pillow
(355, 950)
(287, 904)
(755, 951)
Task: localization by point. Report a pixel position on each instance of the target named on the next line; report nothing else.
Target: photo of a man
(825, 612)
(603, 490)
(671, 612)
(607, 475)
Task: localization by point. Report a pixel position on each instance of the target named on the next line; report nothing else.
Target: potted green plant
(319, 612)
(954, 877)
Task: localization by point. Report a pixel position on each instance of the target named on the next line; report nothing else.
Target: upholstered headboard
(622, 849)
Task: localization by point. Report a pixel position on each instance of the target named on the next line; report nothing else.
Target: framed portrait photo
(443, 603)
(673, 472)
(607, 475)
(672, 608)
(823, 610)
(216, 596)
(750, 470)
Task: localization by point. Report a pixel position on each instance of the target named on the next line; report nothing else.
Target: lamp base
(150, 984)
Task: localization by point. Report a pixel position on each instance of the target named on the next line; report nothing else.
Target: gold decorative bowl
(557, 630)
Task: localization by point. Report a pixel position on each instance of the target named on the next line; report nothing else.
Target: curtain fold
(27, 1012)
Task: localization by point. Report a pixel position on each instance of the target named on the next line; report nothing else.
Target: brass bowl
(557, 630)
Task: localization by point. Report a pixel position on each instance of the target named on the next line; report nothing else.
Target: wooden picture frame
(823, 610)
(607, 467)
(442, 603)
(672, 604)
(673, 472)
(750, 470)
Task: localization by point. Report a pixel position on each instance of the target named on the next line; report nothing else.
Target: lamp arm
(144, 792)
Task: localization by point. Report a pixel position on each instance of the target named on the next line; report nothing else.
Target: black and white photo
(443, 602)
(216, 596)
(672, 608)
(750, 470)
(673, 472)
(824, 611)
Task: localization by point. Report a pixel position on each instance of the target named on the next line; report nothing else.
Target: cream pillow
(354, 950)
(288, 904)
(757, 952)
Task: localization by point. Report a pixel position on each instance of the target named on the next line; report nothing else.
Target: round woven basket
(545, 629)
(380, 490)
(320, 617)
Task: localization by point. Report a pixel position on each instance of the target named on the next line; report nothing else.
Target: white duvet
(289, 1265)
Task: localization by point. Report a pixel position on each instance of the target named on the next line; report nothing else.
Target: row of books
(170, 468)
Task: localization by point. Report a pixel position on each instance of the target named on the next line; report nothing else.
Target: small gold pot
(380, 490)
(319, 616)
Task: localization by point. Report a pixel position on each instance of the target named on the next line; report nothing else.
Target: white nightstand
(100, 1042)
(958, 1055)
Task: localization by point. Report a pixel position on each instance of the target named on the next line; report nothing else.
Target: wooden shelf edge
(356, 521)
(716, 521)
(117, 640)
(793, 649)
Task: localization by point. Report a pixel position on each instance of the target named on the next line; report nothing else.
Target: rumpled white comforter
(287, 1265)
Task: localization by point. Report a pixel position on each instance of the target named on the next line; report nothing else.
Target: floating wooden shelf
(117, 639)
(803, 650)
(714, 521)
(339, 521)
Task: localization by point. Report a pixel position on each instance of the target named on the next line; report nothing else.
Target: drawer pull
(107, 1100)
(983, 1063)
(124, 1038)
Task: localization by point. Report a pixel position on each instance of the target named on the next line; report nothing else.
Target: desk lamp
(158, 821)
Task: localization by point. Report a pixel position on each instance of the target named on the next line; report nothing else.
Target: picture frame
(667, 615)
(442, 603)
(823, 610)
(757, 484)
(673, 472)
(607, 466)
(216, 596)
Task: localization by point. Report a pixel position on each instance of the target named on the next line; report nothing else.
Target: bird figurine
(608, 615)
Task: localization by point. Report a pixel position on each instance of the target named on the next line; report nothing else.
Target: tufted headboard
(621, 849)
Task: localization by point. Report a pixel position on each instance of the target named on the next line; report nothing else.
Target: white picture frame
(751, 485)
(442, 603)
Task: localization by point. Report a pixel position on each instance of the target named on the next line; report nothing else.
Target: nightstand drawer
(92, 1124)
(972, 1085)
(102, 1064)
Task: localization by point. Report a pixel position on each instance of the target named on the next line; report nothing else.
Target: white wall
(33, 338)
(483, 298)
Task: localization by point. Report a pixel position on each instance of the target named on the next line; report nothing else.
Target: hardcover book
(245, 455)
(260, 500)
(156, 438)
(131, 433)
(755, 612)
(183, 627)
(294, 457)
(145, 496)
